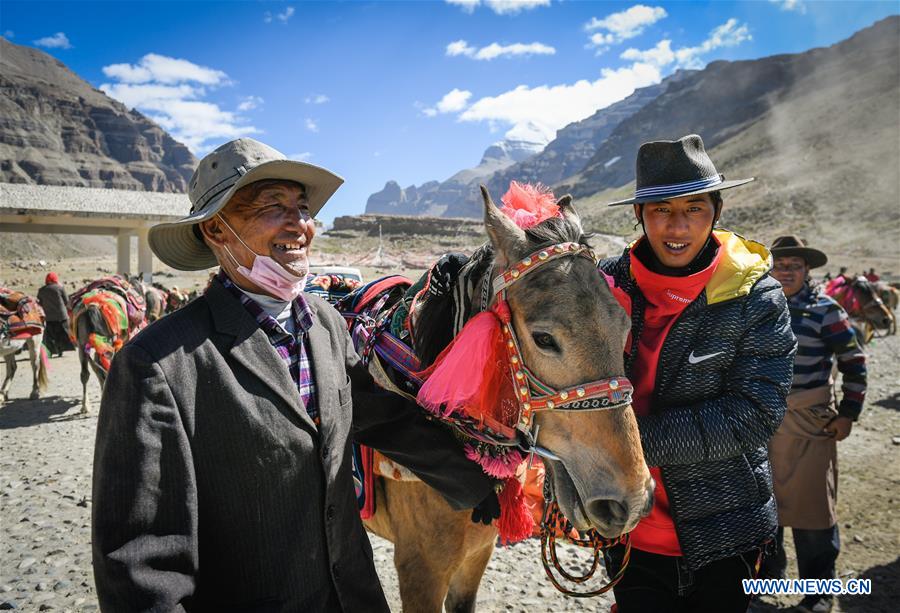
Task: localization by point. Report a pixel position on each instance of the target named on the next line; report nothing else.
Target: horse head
(871, 307)
(571, 332)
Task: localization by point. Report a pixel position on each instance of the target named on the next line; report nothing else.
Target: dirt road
(45, 506)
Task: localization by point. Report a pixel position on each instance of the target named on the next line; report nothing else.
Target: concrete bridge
(53, 209)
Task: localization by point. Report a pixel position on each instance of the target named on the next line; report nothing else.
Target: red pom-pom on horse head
(528, 205)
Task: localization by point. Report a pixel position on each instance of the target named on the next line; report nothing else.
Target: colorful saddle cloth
(135, 307)
(20, 315)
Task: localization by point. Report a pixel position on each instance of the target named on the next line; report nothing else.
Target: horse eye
(545, 341)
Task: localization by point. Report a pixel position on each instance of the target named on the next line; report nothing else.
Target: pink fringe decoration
(456, 378)
(528, 205)
(515, 523)
(499, 467)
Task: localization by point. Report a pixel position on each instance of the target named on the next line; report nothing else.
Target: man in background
(53, 299)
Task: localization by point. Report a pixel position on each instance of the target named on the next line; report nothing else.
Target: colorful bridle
(532, 394)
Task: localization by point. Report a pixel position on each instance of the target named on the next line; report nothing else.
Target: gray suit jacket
(213, 489)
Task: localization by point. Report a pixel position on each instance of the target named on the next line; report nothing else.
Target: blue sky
(410, 91)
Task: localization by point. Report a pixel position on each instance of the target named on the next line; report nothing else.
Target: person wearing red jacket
(710, 356)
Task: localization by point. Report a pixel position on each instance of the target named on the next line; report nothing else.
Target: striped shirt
(292, 348)
(824, 333)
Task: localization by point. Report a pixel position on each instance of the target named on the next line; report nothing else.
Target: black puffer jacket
(711, 420)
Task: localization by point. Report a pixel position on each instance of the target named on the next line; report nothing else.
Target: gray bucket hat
(674, 169)
(219, 175)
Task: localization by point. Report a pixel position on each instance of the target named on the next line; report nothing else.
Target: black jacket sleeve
(746, 416)
(399, 429)
(144, 523)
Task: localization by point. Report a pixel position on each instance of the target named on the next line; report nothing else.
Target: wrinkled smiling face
(677, 228)
(273, 221)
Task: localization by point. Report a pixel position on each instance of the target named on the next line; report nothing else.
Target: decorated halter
(531, 393)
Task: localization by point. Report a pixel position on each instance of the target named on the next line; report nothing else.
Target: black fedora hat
(674, 169)
(791, 246)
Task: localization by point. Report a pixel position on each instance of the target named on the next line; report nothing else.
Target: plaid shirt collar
(302, 313)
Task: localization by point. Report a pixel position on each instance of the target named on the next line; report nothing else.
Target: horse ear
(508, 238)
(568, 209)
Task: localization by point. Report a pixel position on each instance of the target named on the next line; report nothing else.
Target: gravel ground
(45, 506)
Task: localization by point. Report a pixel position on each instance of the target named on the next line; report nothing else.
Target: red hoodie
(666, 298)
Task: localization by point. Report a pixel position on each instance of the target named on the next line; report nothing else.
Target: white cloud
(729, 34)
(623, 25)
(495, 50)
(660, 55)
(468, 6)
(249, 103)
(453, 101)
(9, 34)
(791, 5)
(317, 99)
(311, 125)
(500, 7)
(300, 157)
(550, 107)
(162, 69)
(57, 41)
(170, 91)
(284, 16)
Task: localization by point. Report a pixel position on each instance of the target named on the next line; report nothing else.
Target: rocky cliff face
(56, 129)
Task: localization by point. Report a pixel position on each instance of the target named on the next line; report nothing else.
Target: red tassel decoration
(515, 523)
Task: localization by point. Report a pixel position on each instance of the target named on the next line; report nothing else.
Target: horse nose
(608, 514)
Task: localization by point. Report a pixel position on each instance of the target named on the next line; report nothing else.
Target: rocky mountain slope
(451, 198)
(56, 129)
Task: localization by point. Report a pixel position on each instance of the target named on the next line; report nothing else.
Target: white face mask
(267, 273)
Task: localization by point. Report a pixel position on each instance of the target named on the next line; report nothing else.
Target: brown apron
(804, 461)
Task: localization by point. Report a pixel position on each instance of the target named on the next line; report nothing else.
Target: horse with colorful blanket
(868, 313)
(22, 328)
(103, 316)
(519, 348)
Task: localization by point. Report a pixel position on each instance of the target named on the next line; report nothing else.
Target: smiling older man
(222, 472)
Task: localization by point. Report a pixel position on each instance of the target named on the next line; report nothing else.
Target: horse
(156, 302)
(571, 333)
(866, 310)
(37, 357)
(21, 328)
(105, 314)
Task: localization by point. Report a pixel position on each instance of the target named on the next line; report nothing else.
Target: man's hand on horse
(487, 510)
(839, 427)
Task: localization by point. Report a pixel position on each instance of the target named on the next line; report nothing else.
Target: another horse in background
(570, 333)
(21, 328)
(868, 313)
(155, 299)
(104, 315)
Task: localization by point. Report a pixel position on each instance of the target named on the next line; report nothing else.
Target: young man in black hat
(710, 357)
(803, 451)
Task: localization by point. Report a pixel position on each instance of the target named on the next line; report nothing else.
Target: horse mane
(434, 321)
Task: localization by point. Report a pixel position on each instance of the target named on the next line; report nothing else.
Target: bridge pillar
(145, 255)
(123, 252)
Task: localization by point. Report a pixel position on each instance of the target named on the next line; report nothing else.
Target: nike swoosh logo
(696, 359)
